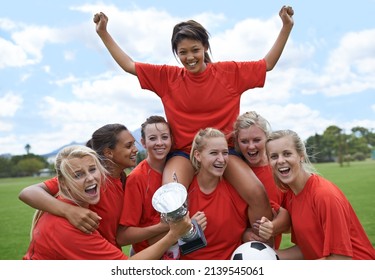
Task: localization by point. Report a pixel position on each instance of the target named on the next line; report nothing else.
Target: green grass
(15, 218)
(357, 182)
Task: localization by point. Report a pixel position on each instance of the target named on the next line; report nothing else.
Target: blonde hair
(246, 120)
(300, 147)
(67, 184)
(200, 141)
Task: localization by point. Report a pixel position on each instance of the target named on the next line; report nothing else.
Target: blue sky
(58, 83)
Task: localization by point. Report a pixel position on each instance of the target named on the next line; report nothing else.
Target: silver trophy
(170, 200)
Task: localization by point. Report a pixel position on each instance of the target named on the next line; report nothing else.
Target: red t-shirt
(109, 207)
(141, 185)
(325, 223)
(196, 101)
(54, 238)
(226, 214)
(275, 195)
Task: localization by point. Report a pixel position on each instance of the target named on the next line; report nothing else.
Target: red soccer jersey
(141, 185)
(226, 214)
(54, 238)
(275, 195)
(109, 207)
(208, 99)
(325, 223)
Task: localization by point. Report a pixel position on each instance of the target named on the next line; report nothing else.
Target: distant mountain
(55, 152)
(52, 155)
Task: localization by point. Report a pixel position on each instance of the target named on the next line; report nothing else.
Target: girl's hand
(84, 219)
(201, 219)
(101, 20)
(265, 228)
(180, 228)
(286, 14)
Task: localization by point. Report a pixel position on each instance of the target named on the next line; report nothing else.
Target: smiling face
(214, 157)
(252, 145)
(286, 162)
(157, 141)
(125, 152)
(85, 177)
(191, 54)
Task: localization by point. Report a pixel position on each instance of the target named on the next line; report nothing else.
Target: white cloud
(350, 68)
(70, 79)
(367, 123)
(25, 77)
(47, 69)
(10, 103)
(5, 126)
(89, 113)
(12, 55)
(7, 24)
(9, 143)
(33, 38)
(27, 43)
(295, 116)
(248, 40)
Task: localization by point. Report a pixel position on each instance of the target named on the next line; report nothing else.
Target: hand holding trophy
(170, 200)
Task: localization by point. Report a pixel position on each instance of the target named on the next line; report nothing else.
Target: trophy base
(195, 244)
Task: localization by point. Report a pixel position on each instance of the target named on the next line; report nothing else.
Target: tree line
(334, 145)
(337, 145)
(23, 165)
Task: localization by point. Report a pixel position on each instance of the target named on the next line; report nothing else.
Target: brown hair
(191, 30)
(153, 120)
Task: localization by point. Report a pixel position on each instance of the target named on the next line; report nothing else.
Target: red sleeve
(72, 244)
(275, 206)
(157, 77)
(133, 199)
(52, 185)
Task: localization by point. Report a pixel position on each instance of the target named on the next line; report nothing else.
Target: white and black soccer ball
(254, 250)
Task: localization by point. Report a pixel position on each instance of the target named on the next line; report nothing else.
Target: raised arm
(286, 15)
(39, 197)
(122, 59)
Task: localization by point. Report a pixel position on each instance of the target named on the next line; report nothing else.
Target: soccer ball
(254, 250)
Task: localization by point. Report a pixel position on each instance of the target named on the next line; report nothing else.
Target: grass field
(357, 181)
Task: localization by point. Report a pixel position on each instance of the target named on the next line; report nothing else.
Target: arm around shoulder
(39, 197)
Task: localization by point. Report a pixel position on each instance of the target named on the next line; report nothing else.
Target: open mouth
(92, 190)
(252, 154)
(284, 170)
